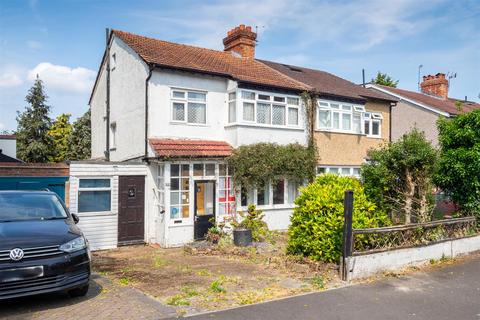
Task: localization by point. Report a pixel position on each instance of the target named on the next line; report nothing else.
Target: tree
(384, 80)
(34, 144)
(80, 139)
(60, 132)
(458, 171)
(399, 177)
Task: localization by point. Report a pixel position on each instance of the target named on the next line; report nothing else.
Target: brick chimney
(241, 40)
(435, 85)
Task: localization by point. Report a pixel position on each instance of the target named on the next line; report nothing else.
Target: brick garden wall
(34, 170)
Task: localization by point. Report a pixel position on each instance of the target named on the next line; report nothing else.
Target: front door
(131, 209)
(204, 208)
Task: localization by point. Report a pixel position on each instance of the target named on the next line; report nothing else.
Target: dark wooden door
(131, 209)
(204, 208)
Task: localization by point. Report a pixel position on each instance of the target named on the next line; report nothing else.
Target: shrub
(253, 220)
(317, 221)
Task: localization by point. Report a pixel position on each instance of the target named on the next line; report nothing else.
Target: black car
(41, 248)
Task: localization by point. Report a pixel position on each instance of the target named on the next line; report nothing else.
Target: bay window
(189, 106)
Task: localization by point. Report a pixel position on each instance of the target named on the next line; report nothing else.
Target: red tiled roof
(169, 54)
(181, 148)
(447, 105)
(327, 83)
(7, 136)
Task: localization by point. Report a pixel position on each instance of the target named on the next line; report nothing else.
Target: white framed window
(340, 170)
(270, 109)
(179, 191)
(226, 191)
(189, 106)
(94, 195)
(232, 107)
(372, 124)
(278, 193)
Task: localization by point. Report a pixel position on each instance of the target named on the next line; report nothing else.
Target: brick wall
(34, 170)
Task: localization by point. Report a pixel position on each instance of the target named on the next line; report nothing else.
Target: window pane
(248, 95)
(232, 110)
(222, 209)
(333, 170)
(246, 197)
(263, 195)
(94, 201)
(175, 184)
(185, 211)
(324, 119)
(336, 120)
(278, 115)
(263, 97)
(357, 123)
(293, 101)
(197, 96)
(198, 169)
(248, 111)
(210, 169)
(175, 170)
(366, 127)
(232, 96)
(356, 172)
(323, 104)
(222, 168)
(279, 99)
(292, 191)
(185, 183)
(178, 111)
(174, 198)
(346, 121)
(94, 183)
(346, 171)
(293, 116)
(185, 170)
(263, 113)
(185, 200)
(375, 128)
(334, 106)
(278, 192)
(196, 112)
(321, 170)
(178, 94)
(346, 107)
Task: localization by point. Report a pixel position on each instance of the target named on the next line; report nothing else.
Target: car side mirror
(75, 218)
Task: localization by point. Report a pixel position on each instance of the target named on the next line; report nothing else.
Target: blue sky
(63, 41)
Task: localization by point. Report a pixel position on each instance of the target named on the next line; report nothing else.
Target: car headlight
(74, 245)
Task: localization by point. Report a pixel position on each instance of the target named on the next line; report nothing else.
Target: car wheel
(78, 292)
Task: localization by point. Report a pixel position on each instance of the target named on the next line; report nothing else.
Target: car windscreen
(30, 206)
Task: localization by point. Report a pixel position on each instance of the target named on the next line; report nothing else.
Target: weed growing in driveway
(318, 282)
(124, 281)
(216, 286)
(177, 300)
(159, 262)
(189, 291)
(204, 273)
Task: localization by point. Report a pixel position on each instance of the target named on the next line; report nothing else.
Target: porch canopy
(182, 148)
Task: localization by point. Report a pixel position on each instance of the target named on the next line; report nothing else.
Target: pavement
(451, 292)
(104, 300)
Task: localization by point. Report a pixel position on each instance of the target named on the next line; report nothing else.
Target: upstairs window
(372, 124)
(232, 107)
(189, 106)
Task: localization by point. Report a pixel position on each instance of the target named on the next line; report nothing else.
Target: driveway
(104, 300)
(448, 293)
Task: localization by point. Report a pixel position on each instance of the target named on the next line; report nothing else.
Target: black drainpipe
(107, 116)
(150, 71)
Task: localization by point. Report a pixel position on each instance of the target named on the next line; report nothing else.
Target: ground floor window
(280, 192)
(179, 191)
(340, 170)
(226, 191)
(94, 195)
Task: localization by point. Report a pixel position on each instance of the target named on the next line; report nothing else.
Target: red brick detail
(34, 169)
(435, 85)
(176, 148)
(241, 40)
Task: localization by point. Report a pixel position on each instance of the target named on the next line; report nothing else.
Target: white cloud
(63, 78)
(10, 79)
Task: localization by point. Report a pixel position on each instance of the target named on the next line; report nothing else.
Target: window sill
(256, 125)
(95, 214)
(189, 124)
(340, 131)
(271, 207)
(374, 137)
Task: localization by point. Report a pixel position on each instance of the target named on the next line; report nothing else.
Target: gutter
(147, 80)
(107, 115)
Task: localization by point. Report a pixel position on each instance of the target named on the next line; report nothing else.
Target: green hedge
(317, 222)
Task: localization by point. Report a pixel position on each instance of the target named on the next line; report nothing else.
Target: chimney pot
(241, 40)
(436, 85)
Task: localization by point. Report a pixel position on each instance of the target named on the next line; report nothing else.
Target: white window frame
(271, 101)
(235, 113)
(79, 189)
(372, 117)
(328, 169)
(270, 205)
(185, 100)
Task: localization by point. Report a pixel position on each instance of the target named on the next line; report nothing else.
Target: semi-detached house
(166, 115)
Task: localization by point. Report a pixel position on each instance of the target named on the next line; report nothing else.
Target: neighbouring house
(423, 109)
(8, 148)
(165, 116)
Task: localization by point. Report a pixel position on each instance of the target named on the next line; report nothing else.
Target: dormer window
(189, 106)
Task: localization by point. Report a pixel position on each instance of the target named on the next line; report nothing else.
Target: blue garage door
(55, 184)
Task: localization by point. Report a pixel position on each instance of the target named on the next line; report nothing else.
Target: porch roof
(182, 148)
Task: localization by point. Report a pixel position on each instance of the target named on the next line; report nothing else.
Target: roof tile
(182, 148)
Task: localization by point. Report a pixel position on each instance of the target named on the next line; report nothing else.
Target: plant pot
(242, 237)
